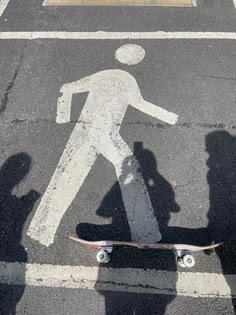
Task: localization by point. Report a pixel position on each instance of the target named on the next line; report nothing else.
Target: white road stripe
(234, 1)
(190, 284)
(117, 35)
(3, 5)
(120, 3)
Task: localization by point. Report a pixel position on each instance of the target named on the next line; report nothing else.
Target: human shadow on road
(163, 200)
(13, 214)
(221, 177)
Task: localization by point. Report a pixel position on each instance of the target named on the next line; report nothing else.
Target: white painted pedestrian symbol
(97, 132)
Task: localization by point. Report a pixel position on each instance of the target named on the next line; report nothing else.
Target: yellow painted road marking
(128, 2)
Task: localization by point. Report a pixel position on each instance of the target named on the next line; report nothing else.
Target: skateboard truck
(185, 258)
(104, 254)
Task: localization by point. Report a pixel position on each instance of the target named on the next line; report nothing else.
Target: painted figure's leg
(63, 187)
(140, 213)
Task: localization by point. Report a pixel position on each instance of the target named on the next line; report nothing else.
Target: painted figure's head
(130, 54)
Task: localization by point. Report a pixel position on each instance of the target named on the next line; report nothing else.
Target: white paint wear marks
(210, 285)
(118, 35)
(3, 5)
(97, 132)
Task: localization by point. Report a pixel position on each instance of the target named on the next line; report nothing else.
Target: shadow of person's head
(161, 192)
(145, 157)
(221, 147)
(13, 171)
(14, 209)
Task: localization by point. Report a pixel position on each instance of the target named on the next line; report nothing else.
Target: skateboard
(183, 251)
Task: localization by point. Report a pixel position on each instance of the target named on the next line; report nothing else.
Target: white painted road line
(234, 1)
(165, 3)
(3, 5)
(189, 284)
(117, 35)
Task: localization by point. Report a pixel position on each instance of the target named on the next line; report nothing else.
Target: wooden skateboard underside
(143, 245)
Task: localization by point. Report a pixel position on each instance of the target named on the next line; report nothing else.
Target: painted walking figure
(97, 132)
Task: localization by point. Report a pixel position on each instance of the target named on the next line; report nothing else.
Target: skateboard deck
(183, 251)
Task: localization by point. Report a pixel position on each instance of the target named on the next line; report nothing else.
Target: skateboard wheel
(103, 257)
(181, 263)
(188, 261)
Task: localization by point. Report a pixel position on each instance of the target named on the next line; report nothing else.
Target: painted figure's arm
(156, 112)
(137, 101)
(64, 101)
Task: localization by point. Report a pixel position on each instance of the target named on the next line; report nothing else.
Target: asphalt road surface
(105, 157)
